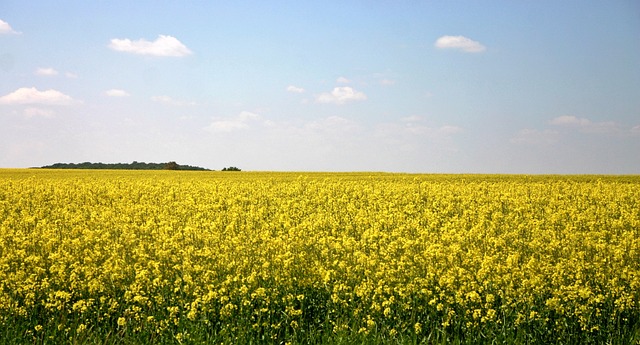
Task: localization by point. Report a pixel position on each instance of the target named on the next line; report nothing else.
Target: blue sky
(410, 86)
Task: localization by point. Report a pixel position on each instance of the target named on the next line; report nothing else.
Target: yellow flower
(417, 327)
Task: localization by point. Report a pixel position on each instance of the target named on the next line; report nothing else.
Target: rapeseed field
(170, 257)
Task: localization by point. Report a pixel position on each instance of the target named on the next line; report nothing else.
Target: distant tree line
(231, 169)
(123, 166)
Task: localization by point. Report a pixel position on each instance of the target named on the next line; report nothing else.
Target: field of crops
(238, 257)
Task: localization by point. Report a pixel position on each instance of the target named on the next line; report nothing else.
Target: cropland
(185, 257)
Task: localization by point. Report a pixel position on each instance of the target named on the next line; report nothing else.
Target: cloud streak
(240, 122)
(565, 124)
(585, 125)
(536, 137)
(461, 43)
(163, 46)
(170, 101)
(414, 125)
(46, 72)
(34, 112)
(116, 93)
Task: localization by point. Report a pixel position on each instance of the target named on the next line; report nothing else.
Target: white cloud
(343, 80)
(116, 93)
(46, 71)
(459, 42)
(295, 89)
(240, 122)
(635, 130)
(5, 28)
(34, 96)
(387, 82)
(71, 75)
(170, 101)
(341, 95)
(162, 46)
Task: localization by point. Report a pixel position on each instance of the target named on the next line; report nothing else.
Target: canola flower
(180, 257)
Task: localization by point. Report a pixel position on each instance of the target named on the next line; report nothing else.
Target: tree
(231, 169)
(171, 166)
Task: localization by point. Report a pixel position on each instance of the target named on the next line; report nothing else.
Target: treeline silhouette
(124, 166)
(231, 169)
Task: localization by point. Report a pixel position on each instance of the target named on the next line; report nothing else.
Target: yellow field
(166, 256)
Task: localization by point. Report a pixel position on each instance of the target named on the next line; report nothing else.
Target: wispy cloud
(295, 89)
(170, 101)
(415, 124)
(332, 124)
(536, 137)
(240, 122)
(569, 120)
(343, 80)
(413, 118)
(33, 112)
(341, 95)
(585, 125)
(6, 29)
(162, 46)
(46, 72)
(34, 96)
(116, 93)
(51, 72)
(460, 43)
(448, 129)
(563, 125)
(414, 134)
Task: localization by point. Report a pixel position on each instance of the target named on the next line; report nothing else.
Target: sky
(526, 87)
